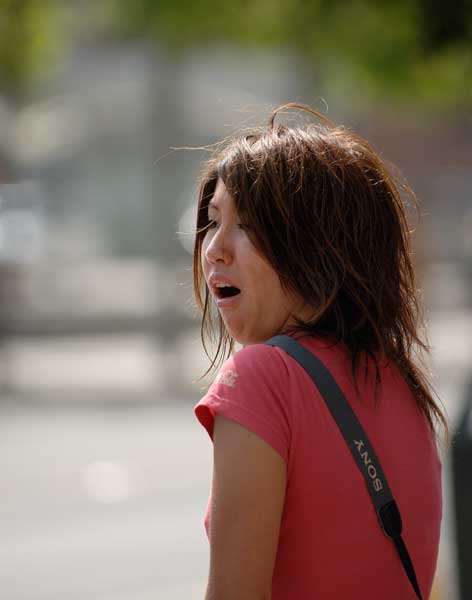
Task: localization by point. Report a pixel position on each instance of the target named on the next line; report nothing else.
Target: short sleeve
(252, 388)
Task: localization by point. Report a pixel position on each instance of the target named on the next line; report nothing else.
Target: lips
(230, 289)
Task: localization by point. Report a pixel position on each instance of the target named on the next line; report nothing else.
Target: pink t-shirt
(331, 545)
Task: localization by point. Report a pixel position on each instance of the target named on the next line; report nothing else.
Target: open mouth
(227, 291)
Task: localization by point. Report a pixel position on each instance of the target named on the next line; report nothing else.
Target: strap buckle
(390, 519)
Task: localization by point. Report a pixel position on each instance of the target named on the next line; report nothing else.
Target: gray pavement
(102, 503)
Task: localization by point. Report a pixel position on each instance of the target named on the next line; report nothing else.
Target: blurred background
(105, 471)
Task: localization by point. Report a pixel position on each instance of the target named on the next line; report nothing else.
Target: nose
(218, 248)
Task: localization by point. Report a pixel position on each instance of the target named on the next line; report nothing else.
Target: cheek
(265, 278)
(271, 288)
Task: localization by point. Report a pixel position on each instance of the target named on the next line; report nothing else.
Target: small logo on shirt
(227, 377)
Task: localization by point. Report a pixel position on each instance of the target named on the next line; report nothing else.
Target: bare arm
(248, 492)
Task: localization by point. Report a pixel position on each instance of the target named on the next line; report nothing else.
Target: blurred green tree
(31, 38)
(418, 51)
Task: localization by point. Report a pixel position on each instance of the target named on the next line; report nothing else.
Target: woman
(302, 231)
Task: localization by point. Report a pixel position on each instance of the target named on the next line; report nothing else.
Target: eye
(212, 224)
(243, 226)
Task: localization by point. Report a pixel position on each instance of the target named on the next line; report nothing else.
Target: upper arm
(248, 492)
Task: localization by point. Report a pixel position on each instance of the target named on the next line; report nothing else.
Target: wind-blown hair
(322, 207)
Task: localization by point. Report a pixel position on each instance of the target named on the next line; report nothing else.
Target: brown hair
(327, 214)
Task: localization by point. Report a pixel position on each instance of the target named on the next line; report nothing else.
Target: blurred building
(98, 205)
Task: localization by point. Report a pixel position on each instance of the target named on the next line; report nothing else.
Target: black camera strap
(361, 449)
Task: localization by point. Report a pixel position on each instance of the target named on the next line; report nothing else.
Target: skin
(249, 476)
(248, 493)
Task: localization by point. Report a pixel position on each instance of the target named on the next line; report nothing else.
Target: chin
(248, 340)
(240, 337)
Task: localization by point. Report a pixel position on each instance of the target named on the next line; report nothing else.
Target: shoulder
(252, 389)
(254, 365)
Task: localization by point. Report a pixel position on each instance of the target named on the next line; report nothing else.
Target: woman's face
(261, 308)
